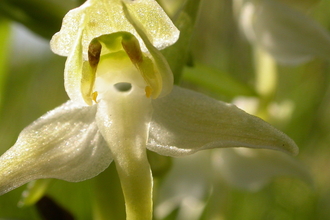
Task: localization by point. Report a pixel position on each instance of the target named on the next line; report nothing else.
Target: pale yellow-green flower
(123, 102)
(198, 182)
(282, 28)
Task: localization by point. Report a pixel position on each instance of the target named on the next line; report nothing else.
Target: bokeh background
(221, 63)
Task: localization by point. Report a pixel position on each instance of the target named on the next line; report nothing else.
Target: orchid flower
(201, 181)
(285, 32)
(123, 102)
(252, 169)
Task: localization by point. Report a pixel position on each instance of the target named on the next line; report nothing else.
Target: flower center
(116, 73)
(117, 58)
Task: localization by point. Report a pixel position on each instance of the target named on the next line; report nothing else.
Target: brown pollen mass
(94, 52)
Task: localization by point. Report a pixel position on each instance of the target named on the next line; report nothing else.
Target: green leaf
(4, 45)
(216, 81)
(41, 16)
(108, 199)
(10, 210)
(178, 54)
(73, 197)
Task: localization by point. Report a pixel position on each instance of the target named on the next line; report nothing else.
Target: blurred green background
(221, 65)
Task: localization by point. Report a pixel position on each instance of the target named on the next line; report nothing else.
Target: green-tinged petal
(123, 115)
(162, 70)
(288, 35)
(107, 16)
(154, 68)
(75, 70)
(185, 122)
(65, 144)
(155, 23)
(251, 169)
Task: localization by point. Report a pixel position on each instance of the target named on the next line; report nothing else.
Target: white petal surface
(185, 122)
(65, 144)
(162, 68)
(73, 71)
(107, 16)
(251, 169)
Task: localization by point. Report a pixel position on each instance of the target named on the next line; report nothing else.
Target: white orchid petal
(163, 72)
(185, 122)
(155, 23)
(251, 169)
(73, 72)
(288, 35)
(107, 16)
(65, 144)
(185, 187)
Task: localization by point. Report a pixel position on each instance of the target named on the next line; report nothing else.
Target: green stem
(266, 80)
(4, 45)
(34, 192)
(136, 181)
(178, 55)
